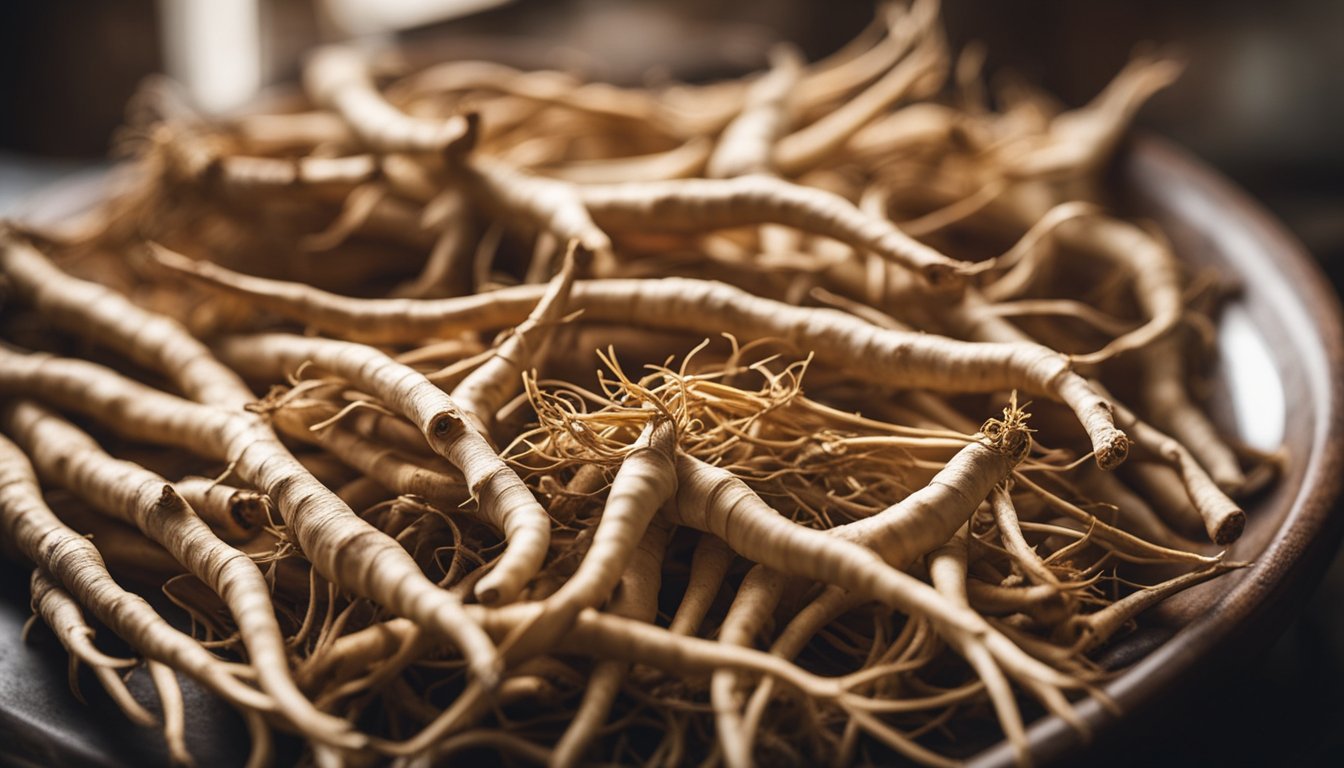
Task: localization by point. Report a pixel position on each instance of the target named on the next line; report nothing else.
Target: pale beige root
(174, 712)
(129, 408)
(395, 221)
(546, 87)
(1163, 487)
(912, 128)
(552, 206)
(337, 77)
(900, 534)
(698, 205)
(496, 741)
(1069, 308)
(447, 269)
(636, 598)
(1151, 265)
(832, 603)
(126, 552)
(350, 655)
(930, 516)
(356, 210)
(646, 480)
(1092, 630)
(498, 379)
(1010, 533)
(1167, 402)
(321, 523)
(604, 636)
(1133, 513)
(98, 313)
(63, 454)
(1223, 518)
(1033, 251)
(360, 417)
(566, 502)
(760, 592)
(709, 567)
(501, 496)
(678, 111)
(601, 635)
(875, 50)
(747, 144)
(1118, 542)
(921, 73)
(1041, 603)
(469, 707)
(917, 360)
(1079, 142)
(683, 161)
(386, 465)
(713, 500)
(193, 155)
(342, 547)
(948, 572)
(239, 175)
(59, 610)
(234, 514)
(31, 527)
(444, 352)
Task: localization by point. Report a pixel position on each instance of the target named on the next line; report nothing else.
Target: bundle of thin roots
(466, 410)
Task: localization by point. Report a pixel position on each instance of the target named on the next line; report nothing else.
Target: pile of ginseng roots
(460, 411)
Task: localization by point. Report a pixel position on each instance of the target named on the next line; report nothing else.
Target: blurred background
(1262, 100)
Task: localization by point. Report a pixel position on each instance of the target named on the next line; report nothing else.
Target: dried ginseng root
(467, 412)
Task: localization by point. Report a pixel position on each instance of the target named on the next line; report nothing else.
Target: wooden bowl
(1282, 371)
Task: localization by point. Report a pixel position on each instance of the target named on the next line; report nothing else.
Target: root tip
(1113, 452)
(1229, 530)
(945, 278)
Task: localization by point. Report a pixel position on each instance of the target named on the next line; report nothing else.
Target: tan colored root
(709, 566)
(552, 206)
(387, 466)
(338, 78)
(73, 560)
(501, 496)
(646, 480)
(62, 614)
(921, 72)
(309, 508)
(485, 390)
(636, 598)
(707, 307)
(684, 161)
(101, 314)
(65, 455)
(948, 571)
(1168, 406)
(174, 715)
(1223, 518)
(236, 514)
(747, 144)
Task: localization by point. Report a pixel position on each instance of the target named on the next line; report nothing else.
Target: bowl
(1281, 382)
